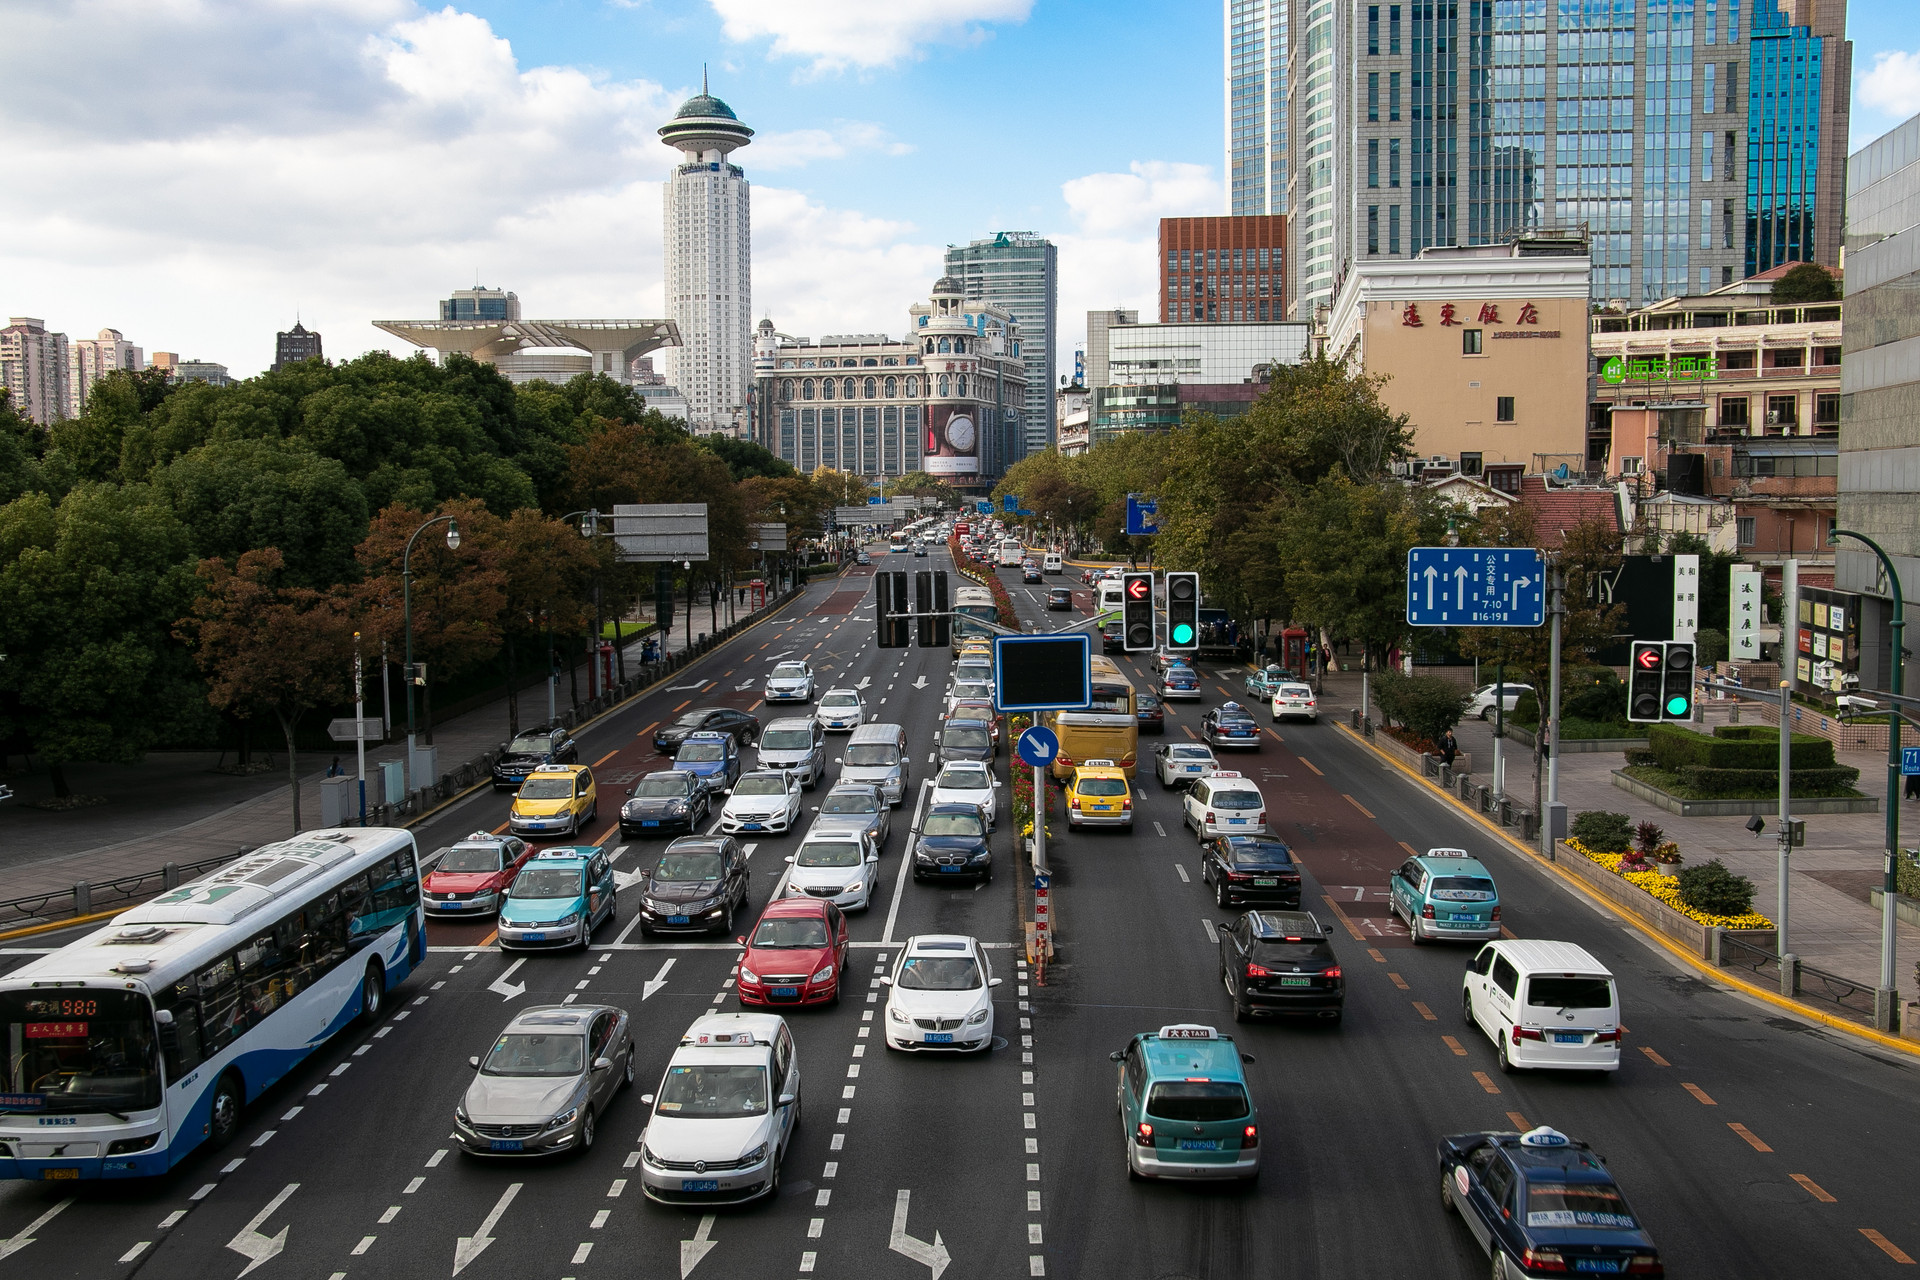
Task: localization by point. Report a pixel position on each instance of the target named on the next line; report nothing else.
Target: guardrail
(87, 897)
(1799, 979)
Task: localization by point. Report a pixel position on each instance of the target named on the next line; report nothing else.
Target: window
(826, 388)
(1827, 355)
(1373, 29)
(1733, 411)
(1726, 161)
(806, 389)
(786, 389)
(1393, 28)
(1373, 229)
(1743, 530)
(1706, 94)
(1393, 162)
(872, 388)
(1736, 359)
(1733, 86)
(1393, 95)
(913, 386)
(1787, 358)
(846, 389)
(893, 387)
(1783, 411)
(1503, 408)
(1393, 228)
(1470, 464)
(1826, 409)
(1470, 342)
(1373, 162)
(1373, 95)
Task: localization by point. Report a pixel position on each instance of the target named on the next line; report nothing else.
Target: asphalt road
(1751, 1144)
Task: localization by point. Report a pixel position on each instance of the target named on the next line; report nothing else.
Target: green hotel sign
(1662, 369)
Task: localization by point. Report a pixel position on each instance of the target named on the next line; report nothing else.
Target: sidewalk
(158, 812)
(1831, 923)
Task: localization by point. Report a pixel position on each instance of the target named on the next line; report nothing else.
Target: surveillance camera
(1756, 824)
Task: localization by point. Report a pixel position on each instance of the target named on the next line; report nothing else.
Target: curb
(1719, 975)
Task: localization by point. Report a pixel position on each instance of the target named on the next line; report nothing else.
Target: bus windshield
(1115, 699)
(77, 1050)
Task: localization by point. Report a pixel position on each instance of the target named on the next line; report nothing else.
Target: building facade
(301, 343)
(1484, 348)
(1699, 142)
(1098, 322)
(91, 359)
(1019, 272)
(709, 261)
(33, 367)
(1879, 438)
(1223, 270)
(1213, 354)
(170, 363)
(480, 303)
(1320, 118)
(1256, 105)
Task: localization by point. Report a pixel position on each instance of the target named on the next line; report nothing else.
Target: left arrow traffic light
(1136, 612)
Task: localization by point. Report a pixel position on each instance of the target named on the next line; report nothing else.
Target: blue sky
(192, 172)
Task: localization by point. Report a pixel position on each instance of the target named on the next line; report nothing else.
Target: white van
(1051, 562)
(877, 755)
(1544, 1004)
(1111, 597)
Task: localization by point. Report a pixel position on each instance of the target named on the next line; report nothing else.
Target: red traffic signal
(1138, 587)
(1648, 657)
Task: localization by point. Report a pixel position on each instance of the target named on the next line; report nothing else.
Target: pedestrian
(1449, 748)
(1913, 786)
(333, 770)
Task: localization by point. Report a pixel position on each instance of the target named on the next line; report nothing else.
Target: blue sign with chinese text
(1475, 587)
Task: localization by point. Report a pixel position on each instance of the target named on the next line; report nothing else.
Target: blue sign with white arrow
(1475, 587)
(1143, 516)
(1038, 746)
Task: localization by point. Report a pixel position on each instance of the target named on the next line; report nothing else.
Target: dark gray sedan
(854, 806)
(966, 740)
(546, 1081)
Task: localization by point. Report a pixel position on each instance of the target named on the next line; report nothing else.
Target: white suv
(1224, 804)
(726, 1110)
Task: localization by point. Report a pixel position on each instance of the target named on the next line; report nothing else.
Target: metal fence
(87, 897)
(1803, 981)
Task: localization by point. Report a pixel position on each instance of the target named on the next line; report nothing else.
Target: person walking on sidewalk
(1913, 786)
(1449, 748)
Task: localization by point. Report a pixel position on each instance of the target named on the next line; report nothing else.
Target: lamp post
(1883, 998)
(406, 598)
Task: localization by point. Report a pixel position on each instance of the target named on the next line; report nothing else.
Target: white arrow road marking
(748, 685)
(933, 1255)
(25, 1238)
(1518, 583)
(1460, 588)
(251, 1244)
(509, 989)
(776, 657)
(691, 1251)
(864, 682)
(1431, 574)
(675, 688)
(921, 683)
(653, 984)
(623, 880)
(473, 1246)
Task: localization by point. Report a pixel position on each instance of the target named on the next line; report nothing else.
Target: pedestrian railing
(87, 897)
(1801, 980)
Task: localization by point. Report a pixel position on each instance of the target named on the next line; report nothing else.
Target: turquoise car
(1261, 684)
(1444, 893)
(559, 898)
(1185, 1109)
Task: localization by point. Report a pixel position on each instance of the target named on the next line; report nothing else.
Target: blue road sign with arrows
(1143, 515)
(1475, 587)
(1038, 746)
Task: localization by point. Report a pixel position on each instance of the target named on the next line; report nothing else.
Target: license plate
(753, 826)
(937, 1037)
(699, 1184)
(1237, 822)
(1596, 1264)
(1561, 1037)
(785, 991)
(952, 869)
(507, 1144)
(533, 937)
(451, 906)
(1265, 884)
(649, 822)
(679, 919)
(1199, 1144)
(59, 1175)
(1296, 982)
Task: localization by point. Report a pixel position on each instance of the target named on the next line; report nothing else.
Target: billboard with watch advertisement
(952, 445)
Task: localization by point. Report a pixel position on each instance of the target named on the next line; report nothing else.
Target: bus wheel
(373, 993)
(223, 1120)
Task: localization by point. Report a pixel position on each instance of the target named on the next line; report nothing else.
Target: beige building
(1484, 348)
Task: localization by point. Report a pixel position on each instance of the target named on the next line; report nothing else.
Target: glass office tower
(1020, 272)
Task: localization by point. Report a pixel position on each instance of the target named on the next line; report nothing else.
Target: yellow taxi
(556, 799)
(1098, 796)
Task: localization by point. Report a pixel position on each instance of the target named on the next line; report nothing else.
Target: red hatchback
(471, 877)
(796, 955)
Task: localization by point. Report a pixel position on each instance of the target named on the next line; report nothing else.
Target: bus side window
(222, 1018)
(395, 890)
(182, 1044)
(356, 902)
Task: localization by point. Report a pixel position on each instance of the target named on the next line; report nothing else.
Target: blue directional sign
(1909, 761)
(984, 507)
(1010, 501)
(1042, 881)
(1143, 515)
(1037, 747)
(875, 502)
(1475, 587)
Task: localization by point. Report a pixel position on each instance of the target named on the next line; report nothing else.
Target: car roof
(555, 1017)
(864, 788)
(1092, 770)
(1453, 864)
(1229, 780)
(1189, 748)
(938, 943)
(971, 766)
(707, 735)
(1248, 842)
(701, 843)
(558, 770)
(829, 693)
(1272, 926)
(725, 1032)
(781, 774)
(1565, 957)
(565, 853)
(791, 722)
(956, 806)
(781, 908)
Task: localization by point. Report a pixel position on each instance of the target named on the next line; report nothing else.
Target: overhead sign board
(350, 730)
(1042, 673)
(660, 532)
(1743, 613)
(1143, 515)
(1475, 587)
(767, 537)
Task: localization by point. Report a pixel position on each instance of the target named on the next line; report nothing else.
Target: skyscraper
(1256, 84)
(1020, 272)
(1697, 141)
(33, 368)
(301, 343)
(91, 359)
(709, 264)
(1223, 269)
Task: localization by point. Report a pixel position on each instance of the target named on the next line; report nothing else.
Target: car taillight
(1074, 803)
(1263, 816)
(1250, 1137)
(1143, 1134)
(1063, 759)
(1127, 803)
(1496, 913)
(1426, 912)
(1543, 1260)
(1210, 817)
(1331, 973)
(1526, 1033)
(1258, 971)
(1607, 1037)
(1645, 1264)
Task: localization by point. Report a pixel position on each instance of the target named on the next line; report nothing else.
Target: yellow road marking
(603, 759)
(1658, 1061)
(1814, 1189)
(684, 705)
(1335, 908)
(1425, 1012)
(1375, 953)
(489, 939)
(1459, 1050)
(1887, 1246)
(1356, 804)
(1399, 981)
(1316, 772)
(1486, 1082)
(1699, 1094)
(1519, 1121)
(755, 706)
(1748, 1134)
(1409, 848)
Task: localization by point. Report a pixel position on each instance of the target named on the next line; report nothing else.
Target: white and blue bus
(130, 1047)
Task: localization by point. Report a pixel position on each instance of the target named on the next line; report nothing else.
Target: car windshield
(939, 973)
(546, 882)
(1295, 691)
(1461, 889)
(849, 802)
(1190, 753)
(823, 854)
(873, 754)
(80, 1050)
(786, 740)
(963, 780)
(765, 785)
(471, 857)
(965, 735)
(787, 932)
(1198, 1101)
(1262, 854)
(1181, 676)
(952, 824)
(970, 689)
(530, 744)
(840, 700)
(522, 1054)
(1100, 787)
(688, 866)
(1577, 1204)
(1112, 699)
(713, 1092)
(1236, 800)
(702, 752)
(1235, 720)
(1570, 993)
(657, 787)
(790, 671)
(546, 789)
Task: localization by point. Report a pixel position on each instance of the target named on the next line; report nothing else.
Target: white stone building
(709, 261)
(91, 359)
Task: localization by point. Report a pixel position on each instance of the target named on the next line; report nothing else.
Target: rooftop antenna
(703, 79)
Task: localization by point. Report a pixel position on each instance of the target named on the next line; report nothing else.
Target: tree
(1348, 546)
(269, 649)
(1588, 550)
(238, 495)
(1808, 282)
(744, 458)
(549, 571)
(919, 484)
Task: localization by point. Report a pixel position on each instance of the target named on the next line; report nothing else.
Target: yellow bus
(1107, 730)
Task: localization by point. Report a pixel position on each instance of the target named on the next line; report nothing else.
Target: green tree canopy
(1808, 282)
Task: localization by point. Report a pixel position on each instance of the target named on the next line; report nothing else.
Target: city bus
(130, 1047)
(1106, 730)
(970, 602)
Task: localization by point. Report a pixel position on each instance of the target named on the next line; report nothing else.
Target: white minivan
(1050, 563)
(1544, 1004)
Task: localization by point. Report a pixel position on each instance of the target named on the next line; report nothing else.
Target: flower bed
(1002, 602)
(1666, 889)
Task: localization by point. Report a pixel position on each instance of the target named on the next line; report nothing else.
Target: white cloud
(818, 271)
(1892, 84)
(800, 147)
(835, 34)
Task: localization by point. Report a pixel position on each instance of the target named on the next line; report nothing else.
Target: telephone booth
(1293, 651)
(757, 593)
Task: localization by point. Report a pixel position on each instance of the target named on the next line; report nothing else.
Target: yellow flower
(1666, 888)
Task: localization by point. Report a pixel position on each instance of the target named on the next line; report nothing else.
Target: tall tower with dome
(709, 242)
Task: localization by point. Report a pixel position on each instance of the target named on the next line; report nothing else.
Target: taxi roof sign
(1188, 1031)
(1545, 1136)
(1225, 773)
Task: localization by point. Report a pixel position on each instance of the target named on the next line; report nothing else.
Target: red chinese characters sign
(56, 1031)
(1488, 313)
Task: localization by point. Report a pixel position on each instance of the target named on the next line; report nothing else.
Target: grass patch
(1669, 782)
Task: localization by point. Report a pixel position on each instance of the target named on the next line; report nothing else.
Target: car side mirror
(887, 981)
(647, 1098)
(1246, 1057)
(788, 1099)
(631, 790)
(816, 808)
(601, 1064)
(726, 791)
(742, 939)
(474, 1062)
(994, 982)
(873, 857)
(1118, 1055)
(789, 858)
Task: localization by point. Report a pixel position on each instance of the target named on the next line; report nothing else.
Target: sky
(197, 173)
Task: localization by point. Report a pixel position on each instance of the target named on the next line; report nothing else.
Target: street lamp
(406, 597)
(1883, 999)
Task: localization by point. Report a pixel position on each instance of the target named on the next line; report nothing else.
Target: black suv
(1250, 871)
(528, 751)
(697, 886)
(1281, 962)
(744, 728)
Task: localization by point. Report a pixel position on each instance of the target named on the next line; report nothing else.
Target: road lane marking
(1183, 873)
(25, 1237)
(1519, 1122)
(1887, 1246)
(649, 729)
(1399, 981)
(1315, 768)
(1409, 848)
(1748, 1134)
(1213, 938)
(1699, 1094)
(136, 1251)
(1459, 1050)
(1375, 953)
(1813, 1188)
(1658, 1061)
(1351, 927)
(1356, 804)
(603, 759)
(1486, 1082)
(1159, 830)
(1425, 1012)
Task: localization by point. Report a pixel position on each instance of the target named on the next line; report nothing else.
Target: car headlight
(460, 1113)
(748, 975)
(825, 973)
(566, 1117)
(979, 1016)
(677, 806)
(923, 859)
(571, 918)
(755, 1156)
(646, 1154)
(981, 856)
(894, 1015)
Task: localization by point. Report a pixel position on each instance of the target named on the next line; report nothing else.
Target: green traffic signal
(1183, 634)
(1676, 706)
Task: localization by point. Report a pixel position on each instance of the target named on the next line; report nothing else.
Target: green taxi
(1185, 1111)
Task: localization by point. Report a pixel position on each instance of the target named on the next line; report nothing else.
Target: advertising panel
(953, 441)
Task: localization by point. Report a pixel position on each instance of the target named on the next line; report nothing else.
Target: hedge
(1836, 781)
(1747, 747)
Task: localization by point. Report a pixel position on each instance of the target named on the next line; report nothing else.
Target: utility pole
(359, 725)
(1554, 814)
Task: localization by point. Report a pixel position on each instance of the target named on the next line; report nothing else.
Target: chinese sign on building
(1662, 369)
(1743, 615)
(1686, 597)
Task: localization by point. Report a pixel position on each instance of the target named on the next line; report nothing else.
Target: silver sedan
(546, 1081)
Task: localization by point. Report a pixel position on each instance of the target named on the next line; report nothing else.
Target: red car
(472, 876)
(797, 954)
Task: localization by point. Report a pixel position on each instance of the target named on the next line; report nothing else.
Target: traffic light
(930, 591)
(1645, 679)
(1183, 612)
(890, 597)
(1136, 612)
(1676, 685)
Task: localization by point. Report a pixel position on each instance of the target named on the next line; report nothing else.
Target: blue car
(714, 758)
(1445, 894)
(559, 898)
(1542, 1204)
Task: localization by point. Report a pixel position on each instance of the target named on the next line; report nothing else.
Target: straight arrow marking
(259, 1249)
(25, 1237)
(691, 1251)
(653, 984)
(473, 1246)
(509, 989)
(1460, 588)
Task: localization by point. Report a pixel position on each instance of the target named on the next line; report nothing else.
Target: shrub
(1714, 890)
(1808, 784)
(1710, 646)
(1427, 706)
(1647, 838)
(1596, 694)
(1602, 831)
(1748, 747)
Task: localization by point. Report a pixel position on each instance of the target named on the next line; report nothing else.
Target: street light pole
(406, 599)
(1883, 998)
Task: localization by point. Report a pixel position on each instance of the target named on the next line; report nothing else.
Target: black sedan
(965, 739)
(665, 802)
(1281, 962)
(1540, 1204)
(1111, 639)
(1250, 871)
(1060, 598)
(952, 844)
(744, 728)
(697, 886)
(528, 751)
(1150, 712)
(1230, 725)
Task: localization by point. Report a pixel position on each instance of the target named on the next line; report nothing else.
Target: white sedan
(1179, 763)
(941, 995)
(1480, 701)
(967, 782)
(843, 710)
(789, 682)
(1290, 700)
(764, 800)
(841, 866)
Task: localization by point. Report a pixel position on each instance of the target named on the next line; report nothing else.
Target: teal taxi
(1185, 1110)
(1445, 894)
(559, 898)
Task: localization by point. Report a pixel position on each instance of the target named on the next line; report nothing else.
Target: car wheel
(1500, 1271)
(726, 922)
(1220, 895)
(773, 1177)
(373, 993)
(586, 1131)
(1486, 714)
(626, 1073)
(1413, 929)
(223, 1121)
(1446, 1191)
(1506, 1063)
(1133, 1174)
